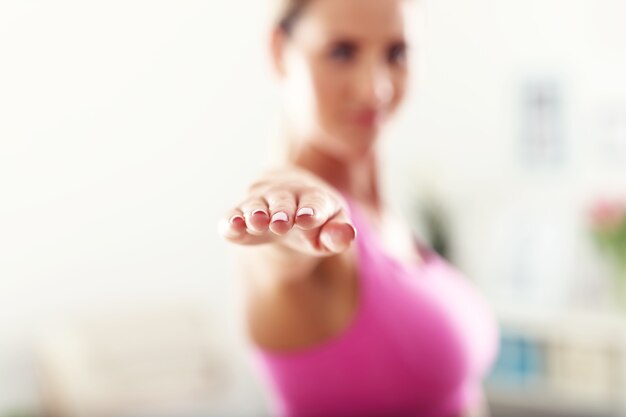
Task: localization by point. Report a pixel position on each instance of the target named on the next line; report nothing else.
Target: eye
(343, 51)
(397, 53)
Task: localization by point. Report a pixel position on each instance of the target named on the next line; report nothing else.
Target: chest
(432, 319)
(394, 237)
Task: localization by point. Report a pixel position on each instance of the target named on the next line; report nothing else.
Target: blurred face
(344, 72)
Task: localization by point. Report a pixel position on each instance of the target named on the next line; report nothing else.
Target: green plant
(435, 220)
(608, 229)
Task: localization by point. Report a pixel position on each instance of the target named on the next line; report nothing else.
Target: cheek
(310, 94)
(400, 85)
(330, 89)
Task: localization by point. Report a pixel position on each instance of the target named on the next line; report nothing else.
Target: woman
(349, 315)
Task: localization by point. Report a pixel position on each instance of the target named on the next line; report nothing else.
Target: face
(344, 72)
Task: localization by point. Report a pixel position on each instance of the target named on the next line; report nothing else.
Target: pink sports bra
(418, 345)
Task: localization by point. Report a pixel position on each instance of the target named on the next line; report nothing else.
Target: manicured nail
(280, 216)
(327, 241)
(235, 218)
(305, 211)
(353, 231)
(257, 211)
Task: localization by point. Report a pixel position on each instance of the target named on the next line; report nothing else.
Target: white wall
(127, 126)
(461, 133)
(123, 125)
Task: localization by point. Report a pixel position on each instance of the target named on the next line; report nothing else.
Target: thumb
(337, 234)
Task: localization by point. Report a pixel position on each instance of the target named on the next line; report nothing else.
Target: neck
(357, 178)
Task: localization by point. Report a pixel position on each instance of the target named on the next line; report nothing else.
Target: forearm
(272, 264)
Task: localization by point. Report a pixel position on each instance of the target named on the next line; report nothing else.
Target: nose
(375, 86)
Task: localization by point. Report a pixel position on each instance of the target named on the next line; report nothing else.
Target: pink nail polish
(328, 242)
(235, 218)
(280, 216)
(257, 211)
(353, 231)
(305, 211)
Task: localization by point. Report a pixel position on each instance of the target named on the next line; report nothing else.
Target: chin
(360, 141)
(353, 148)
(349, 143)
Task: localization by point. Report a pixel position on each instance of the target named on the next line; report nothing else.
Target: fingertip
(258, 221)
(305, 211)
(231, 229)
(337, 237)
(237, 222)
(353, 231)
(307, 218)
(329, 243)
(280, 223)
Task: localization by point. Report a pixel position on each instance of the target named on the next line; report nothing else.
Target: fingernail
(331, 245)
(353, 231)
(327, 242)
(227, 230)
(305, 211)
(280, 216)
(257, 211)
(235, 218)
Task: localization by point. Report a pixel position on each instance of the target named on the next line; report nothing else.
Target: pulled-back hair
(287, 13)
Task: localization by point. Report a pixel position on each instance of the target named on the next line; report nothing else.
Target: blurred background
(128, 127)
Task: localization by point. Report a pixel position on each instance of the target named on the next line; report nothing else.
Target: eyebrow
(343, 37)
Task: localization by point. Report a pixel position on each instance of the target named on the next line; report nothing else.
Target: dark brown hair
(288, 12)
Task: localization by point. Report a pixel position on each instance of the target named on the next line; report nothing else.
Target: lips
(367, 118)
